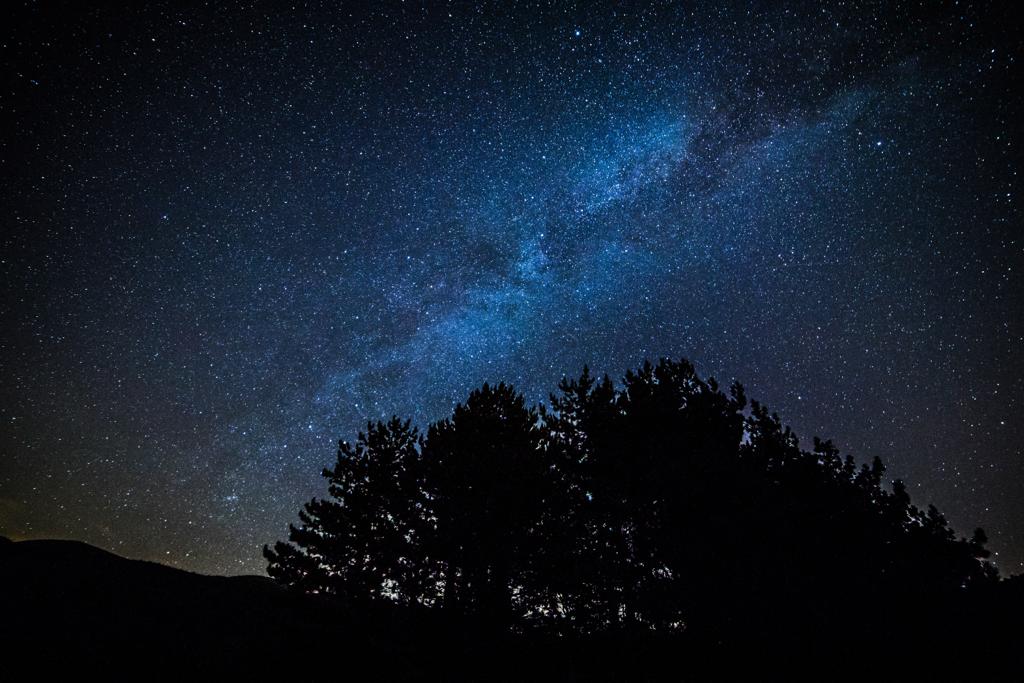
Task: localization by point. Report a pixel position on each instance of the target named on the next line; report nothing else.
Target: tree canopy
(663, 504)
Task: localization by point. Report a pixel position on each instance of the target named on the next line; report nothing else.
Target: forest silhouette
(660, 510)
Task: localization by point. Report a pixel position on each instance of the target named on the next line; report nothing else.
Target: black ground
(69, 605)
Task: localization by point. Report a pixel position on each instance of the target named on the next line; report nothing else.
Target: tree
(664, 504)
(486, 482)
(365, 541)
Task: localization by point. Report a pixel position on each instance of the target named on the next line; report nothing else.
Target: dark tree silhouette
(367, 541)
(665, 505)
(486, 484)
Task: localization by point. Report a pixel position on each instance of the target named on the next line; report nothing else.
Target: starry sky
(232, 233)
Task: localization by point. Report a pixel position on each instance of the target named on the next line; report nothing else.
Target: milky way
(232, 235)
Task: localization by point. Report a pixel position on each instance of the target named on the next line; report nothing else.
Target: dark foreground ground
(70, 606)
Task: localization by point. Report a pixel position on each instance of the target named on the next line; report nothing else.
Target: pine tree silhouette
(366, 541)
(486, 483)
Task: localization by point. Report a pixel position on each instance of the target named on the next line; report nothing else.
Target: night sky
(234, 233)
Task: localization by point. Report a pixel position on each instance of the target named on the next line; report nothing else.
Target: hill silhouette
(73, 600)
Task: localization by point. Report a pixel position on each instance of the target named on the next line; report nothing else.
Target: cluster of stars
(235, 235)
